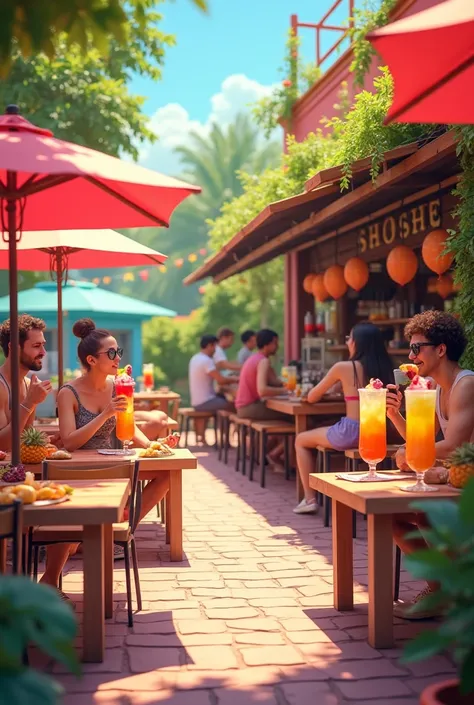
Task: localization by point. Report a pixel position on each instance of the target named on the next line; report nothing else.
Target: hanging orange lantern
(402, 264)
(179, 262)
(444, 285)
(334, 281)
(356, 273)
(432, 251)
(202, 290)
(318, 289)
(308, 283)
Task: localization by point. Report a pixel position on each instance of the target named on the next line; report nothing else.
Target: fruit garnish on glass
(404, 374)
(419, 382)
(374, 384)
(125, 429)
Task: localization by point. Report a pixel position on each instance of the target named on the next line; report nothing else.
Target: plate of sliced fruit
(31, 491)
(160, 448)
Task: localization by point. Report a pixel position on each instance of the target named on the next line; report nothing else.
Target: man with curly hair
(437, 342)
(32, 391)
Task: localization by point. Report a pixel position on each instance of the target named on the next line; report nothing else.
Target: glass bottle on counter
(309, 327)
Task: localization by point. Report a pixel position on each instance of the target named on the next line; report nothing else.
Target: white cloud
(173, 124)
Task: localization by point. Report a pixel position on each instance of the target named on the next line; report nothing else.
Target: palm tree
(213, 162)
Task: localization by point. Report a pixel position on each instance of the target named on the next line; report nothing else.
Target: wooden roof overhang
(322, 211)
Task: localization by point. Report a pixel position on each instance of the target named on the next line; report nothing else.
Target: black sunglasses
(416, 347)
(112, 353)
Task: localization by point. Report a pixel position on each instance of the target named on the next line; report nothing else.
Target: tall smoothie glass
(421, 430)
(148, 376)
(125, 429)
(373, 430)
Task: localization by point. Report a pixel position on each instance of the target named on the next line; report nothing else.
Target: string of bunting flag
(144, 274)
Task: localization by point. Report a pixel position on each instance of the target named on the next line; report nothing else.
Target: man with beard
(32, 391)
(437, 343)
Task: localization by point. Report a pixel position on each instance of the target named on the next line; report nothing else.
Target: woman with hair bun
(87, 406)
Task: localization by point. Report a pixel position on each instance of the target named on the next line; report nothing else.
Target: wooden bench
(260, 431)
(188, 414)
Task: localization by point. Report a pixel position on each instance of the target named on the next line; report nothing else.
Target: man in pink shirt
(258, 380)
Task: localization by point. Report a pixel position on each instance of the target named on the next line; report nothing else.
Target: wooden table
(150, 468)
(300, 411)
(95, 505)
(162, 399)
(380, 501)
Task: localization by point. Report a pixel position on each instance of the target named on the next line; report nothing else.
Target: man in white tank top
(437, 342)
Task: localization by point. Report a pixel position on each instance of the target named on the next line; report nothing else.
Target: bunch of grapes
(3, 470)
(15, 474)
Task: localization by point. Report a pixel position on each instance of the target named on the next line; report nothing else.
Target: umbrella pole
(14, 335)
(59, 276)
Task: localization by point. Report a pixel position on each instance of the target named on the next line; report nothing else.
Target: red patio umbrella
(50, 184)
(59, 251)
(431, 58)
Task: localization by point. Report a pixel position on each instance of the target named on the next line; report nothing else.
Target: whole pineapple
(33, 448)
(461, 465)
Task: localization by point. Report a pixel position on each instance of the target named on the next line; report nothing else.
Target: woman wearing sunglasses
(88, 405)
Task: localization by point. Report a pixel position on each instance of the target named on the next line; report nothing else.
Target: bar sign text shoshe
(400, 226)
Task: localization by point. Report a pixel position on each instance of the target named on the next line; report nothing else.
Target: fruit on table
(7, 497)
(26, 493)
(50, 449)
(172, 440)
(33, 446)
(3, 455)
(15, 474)
(60, 455)
(461, 465)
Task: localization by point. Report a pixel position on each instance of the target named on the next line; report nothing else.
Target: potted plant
(32, 613)
(450, 562)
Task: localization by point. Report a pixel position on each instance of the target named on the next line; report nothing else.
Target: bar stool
(242, 426)
(188, 414)
(223, 424)
(260, 431)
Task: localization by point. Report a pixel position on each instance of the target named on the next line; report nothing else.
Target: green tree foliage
(33, 26)
(214, 163)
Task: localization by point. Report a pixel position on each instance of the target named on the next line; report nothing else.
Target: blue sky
(221, 63)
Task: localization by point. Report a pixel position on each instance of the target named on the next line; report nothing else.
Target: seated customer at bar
(368, 358)
(437, 343)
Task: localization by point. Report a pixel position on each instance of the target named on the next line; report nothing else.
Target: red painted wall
(319, 101)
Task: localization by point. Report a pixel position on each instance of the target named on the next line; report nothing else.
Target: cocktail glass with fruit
(420, 404)
(148, 376)
(292, 379)
(404, 374)
(125, 429)
(373, 428)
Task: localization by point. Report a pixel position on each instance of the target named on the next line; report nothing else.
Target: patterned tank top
(101, 438)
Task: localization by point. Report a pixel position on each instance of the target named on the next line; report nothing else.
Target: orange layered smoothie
(421, 429)
(125, 429)
(373, 426)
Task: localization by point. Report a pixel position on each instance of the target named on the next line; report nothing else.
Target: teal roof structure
(85, 297)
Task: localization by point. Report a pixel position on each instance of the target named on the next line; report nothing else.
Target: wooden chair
(223, 427)
(188, 414)
(123, 532)
(11, 527)
(260, 432)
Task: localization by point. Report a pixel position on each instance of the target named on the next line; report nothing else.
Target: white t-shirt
(201, 384)
(219, 355)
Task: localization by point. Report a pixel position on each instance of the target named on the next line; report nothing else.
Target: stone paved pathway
(247, 619)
